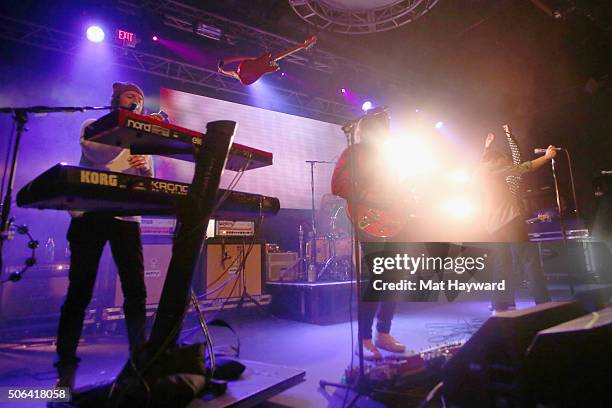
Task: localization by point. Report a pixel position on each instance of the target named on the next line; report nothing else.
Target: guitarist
(370, 189)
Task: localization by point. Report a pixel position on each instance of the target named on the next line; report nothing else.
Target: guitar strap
(514, 182)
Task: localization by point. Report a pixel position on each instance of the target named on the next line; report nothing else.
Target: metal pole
(561, 221)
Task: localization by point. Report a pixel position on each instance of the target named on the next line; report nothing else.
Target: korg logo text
(102, 179)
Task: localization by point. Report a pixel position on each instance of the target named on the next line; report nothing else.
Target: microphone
(539, 150)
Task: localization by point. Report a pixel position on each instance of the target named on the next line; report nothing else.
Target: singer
(504, 219)
(87, 236)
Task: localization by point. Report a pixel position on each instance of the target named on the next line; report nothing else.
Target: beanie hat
(121, 87)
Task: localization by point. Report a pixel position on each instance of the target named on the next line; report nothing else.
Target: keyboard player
(87, 236)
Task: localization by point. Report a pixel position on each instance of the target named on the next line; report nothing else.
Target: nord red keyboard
(65, 187)
(145, 135)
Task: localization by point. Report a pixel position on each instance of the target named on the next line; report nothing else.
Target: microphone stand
(20, 116)
(361, 386)
(562, 221)
(312, 236)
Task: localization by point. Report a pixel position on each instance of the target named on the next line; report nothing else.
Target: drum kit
(333, 250)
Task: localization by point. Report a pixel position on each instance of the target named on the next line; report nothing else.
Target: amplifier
(584, 260)
(281, 266)
(234, 228)
(226, 264)
(156, 262)
(39, 294)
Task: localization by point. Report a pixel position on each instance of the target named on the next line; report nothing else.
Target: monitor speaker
(571, 364)
(486, 371)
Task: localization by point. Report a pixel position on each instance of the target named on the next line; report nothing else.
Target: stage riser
(319, 303)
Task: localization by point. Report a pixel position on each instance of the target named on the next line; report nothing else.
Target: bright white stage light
(408, 156)
(438, 125)
(458, 176)
(459, 207)
(367, 105)
(95, 34)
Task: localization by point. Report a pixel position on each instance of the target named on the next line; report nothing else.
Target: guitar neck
(288, 52)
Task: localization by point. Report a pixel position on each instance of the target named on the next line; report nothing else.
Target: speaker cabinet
(281, 266)
(232, 267)
(156, 262)
(39, 294)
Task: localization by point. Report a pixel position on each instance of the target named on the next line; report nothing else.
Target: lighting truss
(182, 16)
(326, 16)
(25, 32)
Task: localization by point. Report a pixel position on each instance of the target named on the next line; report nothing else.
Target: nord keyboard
(145, 135)
(65, 187)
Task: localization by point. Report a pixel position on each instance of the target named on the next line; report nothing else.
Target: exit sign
(126, 38)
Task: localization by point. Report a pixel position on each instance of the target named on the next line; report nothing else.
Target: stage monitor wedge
(487, 370)
(571, 364)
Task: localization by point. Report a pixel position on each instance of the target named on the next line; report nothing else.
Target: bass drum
(342, 247)
(323, 249)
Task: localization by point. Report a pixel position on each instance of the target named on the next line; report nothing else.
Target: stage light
(154, 38)
(459, 207)
(417, 110)
(207, 31)
(408, 157)
(343, 90)
(439, 125)
(367, 105)
(95, 34)
(282, 74)
(458, 176)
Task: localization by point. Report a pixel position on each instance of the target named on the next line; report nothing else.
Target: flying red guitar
(251, 69)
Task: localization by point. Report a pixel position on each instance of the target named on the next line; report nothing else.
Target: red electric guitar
(381, 223)
(251, 69)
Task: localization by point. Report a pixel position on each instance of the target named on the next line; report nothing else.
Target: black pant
(385, 310)
(514, 252)
(384, 317)
(87, 236)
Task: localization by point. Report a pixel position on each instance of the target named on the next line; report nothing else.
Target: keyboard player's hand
(157, 116)
(140, 162)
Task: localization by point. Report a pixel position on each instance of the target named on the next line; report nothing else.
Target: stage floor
(322, 351)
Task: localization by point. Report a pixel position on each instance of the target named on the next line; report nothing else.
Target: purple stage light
(367, 105)
(343, 90)
(95, 34)
(282, 74)
(154, 38)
